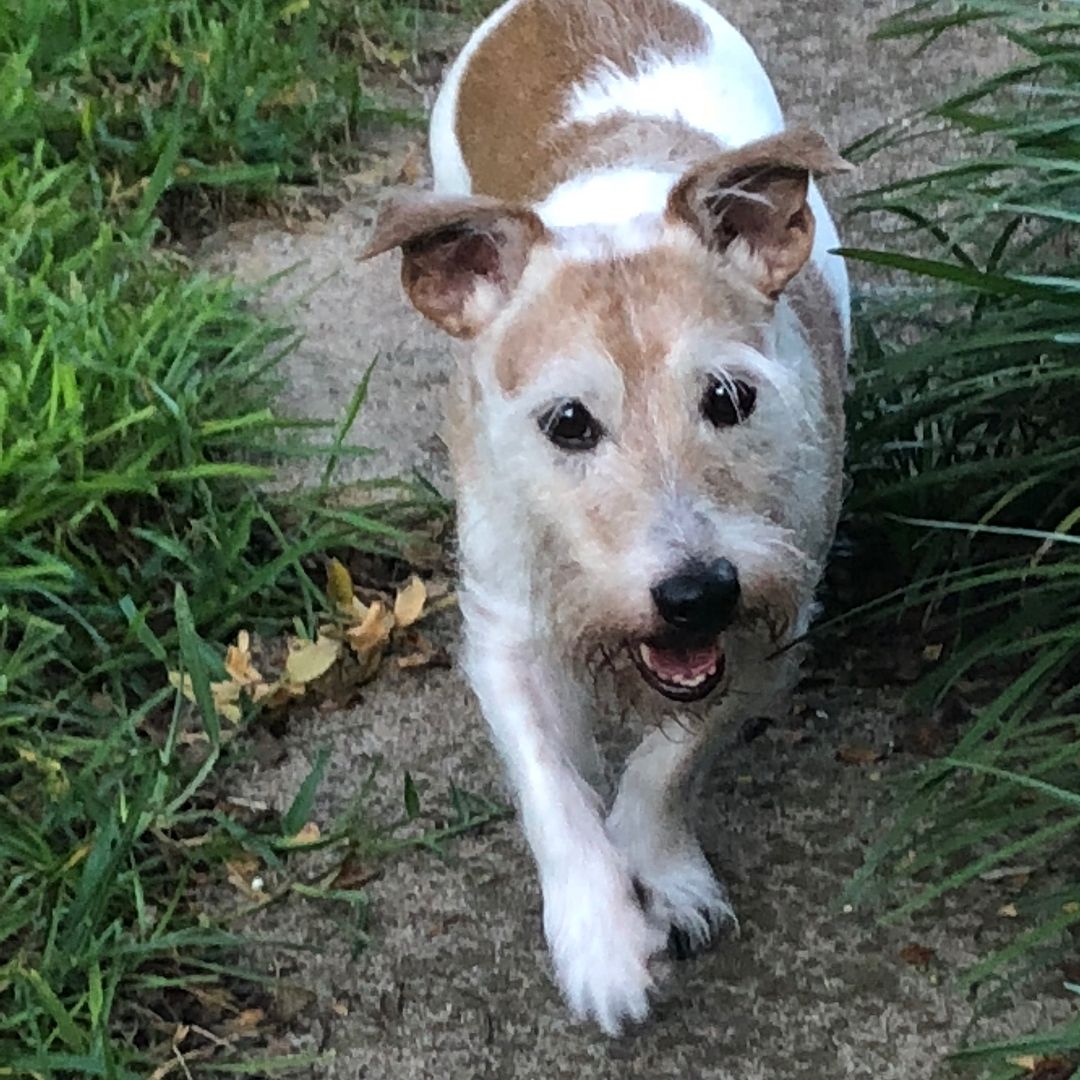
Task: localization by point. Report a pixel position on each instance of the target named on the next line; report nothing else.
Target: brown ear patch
(757, 194)
(462, 257)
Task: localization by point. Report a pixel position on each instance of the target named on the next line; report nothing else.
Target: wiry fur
(626, 286)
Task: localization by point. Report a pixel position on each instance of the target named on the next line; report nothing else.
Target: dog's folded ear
(751, 203)
(461, 256)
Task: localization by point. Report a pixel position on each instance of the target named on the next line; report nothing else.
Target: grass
(966, 455)
(137, 533)
(238, 95)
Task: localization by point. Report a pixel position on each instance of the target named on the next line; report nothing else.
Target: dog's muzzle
(685, 661)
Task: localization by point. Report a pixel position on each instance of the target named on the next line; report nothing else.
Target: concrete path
(455, 983)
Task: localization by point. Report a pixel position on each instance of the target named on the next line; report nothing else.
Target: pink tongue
(685, 664)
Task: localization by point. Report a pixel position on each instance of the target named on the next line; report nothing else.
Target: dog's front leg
(599, 936)
(650, 823)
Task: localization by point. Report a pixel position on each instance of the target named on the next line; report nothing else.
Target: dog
(646, 430)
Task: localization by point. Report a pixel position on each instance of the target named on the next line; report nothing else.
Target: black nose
(702, 599)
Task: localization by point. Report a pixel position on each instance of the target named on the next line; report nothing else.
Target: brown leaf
(353, 874)
(409, 603)
(245, 1022)
(412, 168)
(241, 872)
(238, 661)
(422, 653)
(308, 660)
(858, 755)
(918, 956)
(374, 632)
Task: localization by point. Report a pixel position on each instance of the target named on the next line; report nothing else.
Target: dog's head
(642, 437)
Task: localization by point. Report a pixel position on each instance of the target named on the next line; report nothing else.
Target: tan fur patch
(816, 309)
(631, 308)
(514, 91)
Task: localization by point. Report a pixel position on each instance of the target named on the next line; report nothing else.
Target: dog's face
(642, 440)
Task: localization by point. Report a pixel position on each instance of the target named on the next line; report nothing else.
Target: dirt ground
(456, 981)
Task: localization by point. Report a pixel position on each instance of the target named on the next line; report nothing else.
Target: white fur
(602, 940)
(723, 91)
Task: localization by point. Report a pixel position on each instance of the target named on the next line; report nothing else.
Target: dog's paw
(684, 894)
(602, 943)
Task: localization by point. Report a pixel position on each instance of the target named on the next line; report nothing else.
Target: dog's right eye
(570, 426)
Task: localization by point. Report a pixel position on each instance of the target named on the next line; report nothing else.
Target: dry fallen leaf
(1027, 1062)
(858, 755)
(412, 167)
(308, 660)
(422, 653)
(241, 872)
(1045, 1068)
(932, 653)
(1008, 911)
(245, 1022)
(918, 956)
(374, 632)
(238, 661)
(226, 695)
(340, 1008)
(409, 604)
(309, 834)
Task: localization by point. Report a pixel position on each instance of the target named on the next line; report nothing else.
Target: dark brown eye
(727, 402)
(570, 426)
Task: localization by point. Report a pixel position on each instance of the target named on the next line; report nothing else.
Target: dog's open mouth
(682, 671)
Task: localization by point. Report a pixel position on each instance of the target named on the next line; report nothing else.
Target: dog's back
(590, 110)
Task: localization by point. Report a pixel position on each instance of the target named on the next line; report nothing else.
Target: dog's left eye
(727, 402)
(570, 426)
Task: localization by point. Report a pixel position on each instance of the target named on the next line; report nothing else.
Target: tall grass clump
(137, 532)
(966, 455)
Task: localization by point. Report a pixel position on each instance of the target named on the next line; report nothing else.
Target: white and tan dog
(646, 432)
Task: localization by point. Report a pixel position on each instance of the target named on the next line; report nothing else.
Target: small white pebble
(848, 909)
(257, 884)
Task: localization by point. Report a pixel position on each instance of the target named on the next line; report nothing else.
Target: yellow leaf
(226, 695)
(309, 834)
(56, 782)
(77, 856)
(409, 605)
(1028, 1062)
(1071, 908)
(339, 587)
(311, 659)
(184, 685)
(275, 694)
(294, 8)
(374, 632)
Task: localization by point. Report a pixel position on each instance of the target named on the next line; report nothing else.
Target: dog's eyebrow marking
(630, 308)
